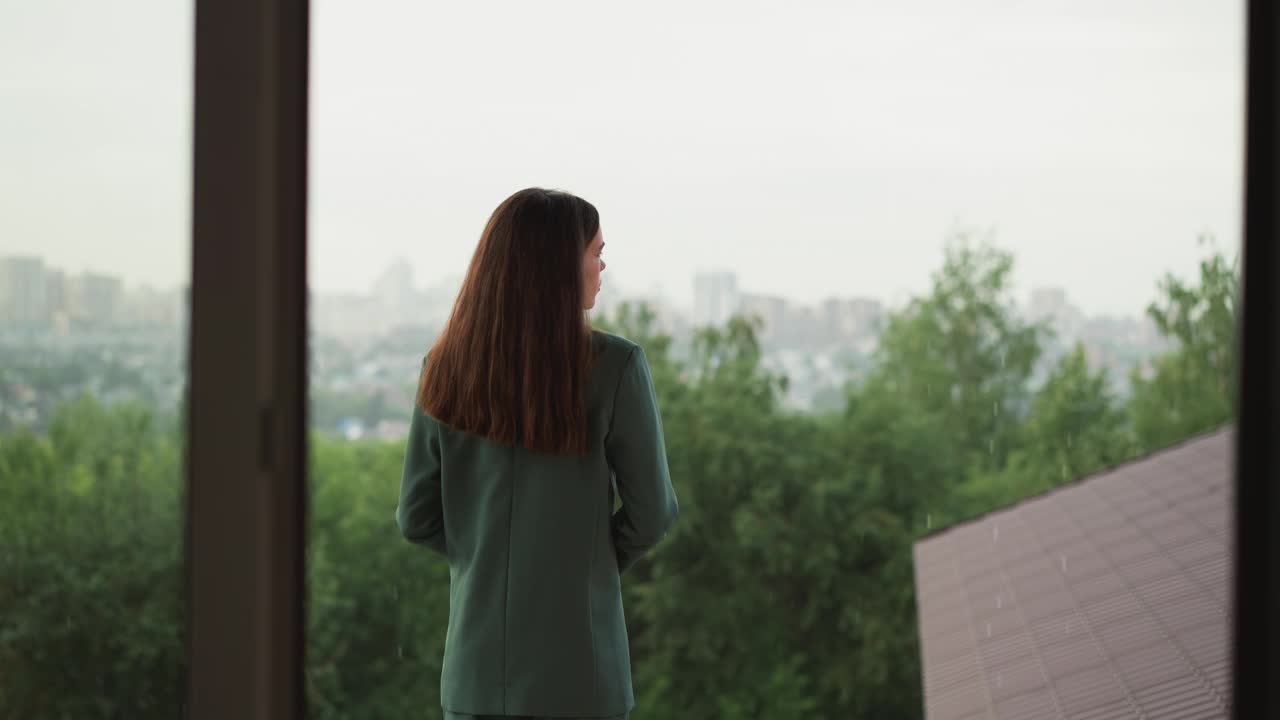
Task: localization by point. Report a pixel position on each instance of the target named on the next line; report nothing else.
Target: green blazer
(536, 550)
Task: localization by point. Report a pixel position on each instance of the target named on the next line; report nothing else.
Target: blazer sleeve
(636, 451)
(420, 512)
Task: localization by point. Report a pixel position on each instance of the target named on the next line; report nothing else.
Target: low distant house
(1107, 598)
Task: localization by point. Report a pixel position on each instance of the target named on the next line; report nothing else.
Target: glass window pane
(94, 254)
(894, 268)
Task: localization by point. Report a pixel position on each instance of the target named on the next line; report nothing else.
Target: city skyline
(380, 333)
(717, 293)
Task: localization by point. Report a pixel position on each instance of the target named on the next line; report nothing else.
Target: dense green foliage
(1195, 385)
(784, 591)
(91, 596)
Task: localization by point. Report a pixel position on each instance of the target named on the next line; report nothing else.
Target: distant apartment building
(803, 328)
(347, 316)
(852, 318)
(1115, 344)
(392, 306)
(394, 286)
(771, 309)
(715, 297)
(1138, 332)
(147, 307)
(1051, 304)
(34, 296)
(95, 300)
(836, 320)
(55, 285)
(24, 296)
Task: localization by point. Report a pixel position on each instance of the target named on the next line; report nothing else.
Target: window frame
(247, 437)
(247, 443)
(1256, 641)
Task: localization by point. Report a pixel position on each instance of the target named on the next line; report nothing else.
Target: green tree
(961, 356)
(1075, 428)
(1192, 389)
(377, 606)
(91, 591)
(784, 589)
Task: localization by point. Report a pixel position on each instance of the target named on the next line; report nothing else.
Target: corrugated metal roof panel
(1105, 599)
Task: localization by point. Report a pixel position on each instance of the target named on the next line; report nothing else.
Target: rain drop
(400, 651)
(995, 533)
(999, 602)
(1064, 564)
(928, 521)
(988, 628)
(995, 409)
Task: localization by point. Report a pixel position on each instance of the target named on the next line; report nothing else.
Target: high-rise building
(55, 284)
(851, 318)
(1047, 302)
(803, 327)
(772, 310)
(24, 297)
(95, 300)
(715, 297)
(394, 297)
(148, 307)
(1051, 304)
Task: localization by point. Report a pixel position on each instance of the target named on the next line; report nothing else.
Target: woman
(525, 420)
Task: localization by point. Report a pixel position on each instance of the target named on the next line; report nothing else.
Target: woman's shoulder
(609, 342)
(612, 351)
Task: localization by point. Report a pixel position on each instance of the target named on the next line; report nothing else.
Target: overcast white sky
(815, 148)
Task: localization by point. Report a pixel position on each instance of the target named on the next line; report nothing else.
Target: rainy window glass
(95, 148)
(910, 277)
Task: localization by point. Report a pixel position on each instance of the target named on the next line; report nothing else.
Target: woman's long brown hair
(512, 361)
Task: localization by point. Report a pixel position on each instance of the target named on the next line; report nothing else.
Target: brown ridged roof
(1107, 598)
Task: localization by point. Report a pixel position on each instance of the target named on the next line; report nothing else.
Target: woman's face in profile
(592, 265)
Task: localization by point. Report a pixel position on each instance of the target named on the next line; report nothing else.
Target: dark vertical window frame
(246, 457)
(1257, 541)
